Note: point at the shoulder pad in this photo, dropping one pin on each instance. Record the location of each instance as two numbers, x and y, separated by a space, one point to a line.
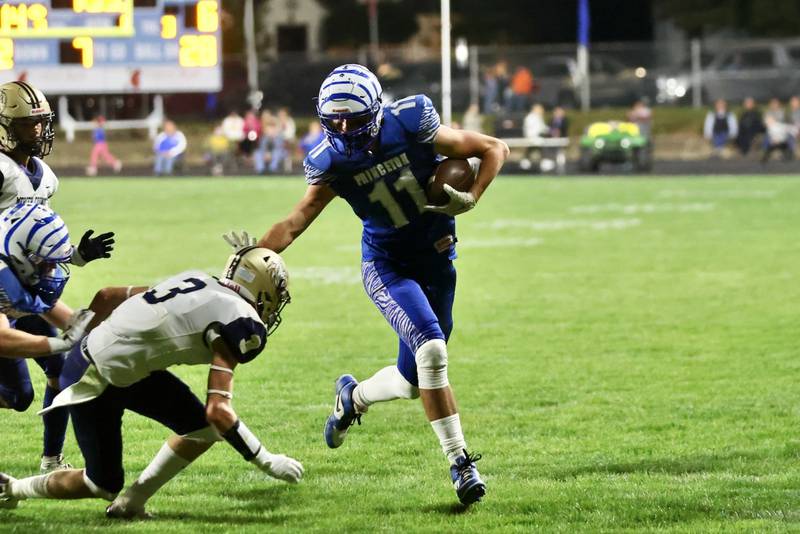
245 337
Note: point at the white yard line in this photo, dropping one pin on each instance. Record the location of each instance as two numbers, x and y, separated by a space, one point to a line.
649 207
721 193
565 224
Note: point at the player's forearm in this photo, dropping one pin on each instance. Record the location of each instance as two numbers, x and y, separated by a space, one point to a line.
59 315
18 344
492 161
279 237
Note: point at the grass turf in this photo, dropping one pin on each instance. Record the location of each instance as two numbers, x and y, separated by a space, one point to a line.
624 355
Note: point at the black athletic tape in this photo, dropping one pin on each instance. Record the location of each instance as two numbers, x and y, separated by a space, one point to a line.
233 437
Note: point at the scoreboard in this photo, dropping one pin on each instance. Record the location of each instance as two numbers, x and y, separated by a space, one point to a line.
112 46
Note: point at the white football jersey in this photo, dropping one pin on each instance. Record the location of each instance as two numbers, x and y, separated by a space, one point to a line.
17 186
168 325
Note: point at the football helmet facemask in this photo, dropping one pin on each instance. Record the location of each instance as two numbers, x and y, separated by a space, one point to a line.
22 108
35 245
260 277
349 108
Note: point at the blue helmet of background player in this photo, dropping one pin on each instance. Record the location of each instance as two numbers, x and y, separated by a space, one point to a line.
349 108
22 107
35 245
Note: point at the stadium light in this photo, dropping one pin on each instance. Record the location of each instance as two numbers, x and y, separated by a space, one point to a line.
462 53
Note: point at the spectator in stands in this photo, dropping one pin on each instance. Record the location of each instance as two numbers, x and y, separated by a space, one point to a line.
720 127
750 125
100 149
794 115
491 91
775 110
780 137
503 87
559 124
272 148
534 125
641 115
472 119
794 111
233 128
251 133
312 138
217 151
521 88
169 147
288 131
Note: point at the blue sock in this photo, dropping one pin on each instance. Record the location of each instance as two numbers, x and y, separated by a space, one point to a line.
55 424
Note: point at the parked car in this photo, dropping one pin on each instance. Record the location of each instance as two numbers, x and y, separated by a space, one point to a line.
762 71
611 83
615 142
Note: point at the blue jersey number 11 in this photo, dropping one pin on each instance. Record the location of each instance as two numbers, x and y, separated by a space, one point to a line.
384 196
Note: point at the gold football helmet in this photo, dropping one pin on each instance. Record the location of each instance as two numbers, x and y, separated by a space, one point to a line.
21 103
260 276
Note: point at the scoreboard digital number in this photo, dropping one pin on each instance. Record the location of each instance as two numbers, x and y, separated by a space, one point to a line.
112 46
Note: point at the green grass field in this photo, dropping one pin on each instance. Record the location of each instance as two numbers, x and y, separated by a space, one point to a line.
625 356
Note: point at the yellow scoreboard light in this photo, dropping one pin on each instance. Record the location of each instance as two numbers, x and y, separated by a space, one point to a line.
66 18
175 46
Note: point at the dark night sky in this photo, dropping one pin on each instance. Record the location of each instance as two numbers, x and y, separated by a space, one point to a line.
552 21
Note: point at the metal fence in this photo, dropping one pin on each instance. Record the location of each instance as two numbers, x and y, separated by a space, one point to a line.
510 79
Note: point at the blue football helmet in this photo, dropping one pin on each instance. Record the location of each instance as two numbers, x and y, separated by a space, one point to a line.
35 244
349 108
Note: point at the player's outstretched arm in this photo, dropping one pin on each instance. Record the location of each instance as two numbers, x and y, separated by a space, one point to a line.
281 234
220 414
466 144
18 344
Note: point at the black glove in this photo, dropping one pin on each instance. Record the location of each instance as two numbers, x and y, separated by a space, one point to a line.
94 248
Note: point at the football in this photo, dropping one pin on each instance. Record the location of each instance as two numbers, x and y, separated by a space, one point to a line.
457 173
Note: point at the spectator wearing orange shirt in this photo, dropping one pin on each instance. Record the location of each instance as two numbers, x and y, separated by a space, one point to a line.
522 86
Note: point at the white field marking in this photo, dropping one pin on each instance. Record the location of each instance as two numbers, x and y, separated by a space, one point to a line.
649 207
513 242
721 193
565 224
327 275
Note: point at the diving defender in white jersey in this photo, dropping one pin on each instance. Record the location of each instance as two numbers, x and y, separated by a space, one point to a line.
191 319
379 159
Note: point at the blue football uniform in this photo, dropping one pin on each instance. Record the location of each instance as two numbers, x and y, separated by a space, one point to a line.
22 307
407 252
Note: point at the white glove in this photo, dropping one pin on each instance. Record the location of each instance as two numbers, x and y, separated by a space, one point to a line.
279 466
239 241
459 203
76 328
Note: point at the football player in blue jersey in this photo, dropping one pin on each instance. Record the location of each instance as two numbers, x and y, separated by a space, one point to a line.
26 138
379 159
34 247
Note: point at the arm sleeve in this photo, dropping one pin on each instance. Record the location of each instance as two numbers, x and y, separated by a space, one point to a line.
17 297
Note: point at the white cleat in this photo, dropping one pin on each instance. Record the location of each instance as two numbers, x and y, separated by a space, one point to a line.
53 463
7 501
